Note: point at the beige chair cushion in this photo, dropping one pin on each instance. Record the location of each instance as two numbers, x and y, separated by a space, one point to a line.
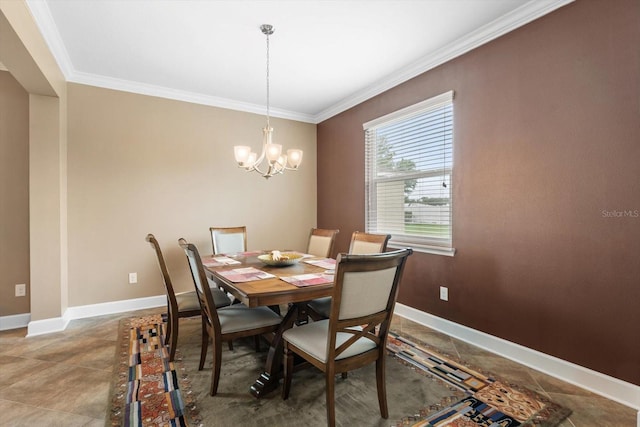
319 246
312 338
361 247
376 285
229 243
239 317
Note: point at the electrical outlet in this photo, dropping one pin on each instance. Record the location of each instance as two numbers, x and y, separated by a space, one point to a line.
133 277
444 293
21 290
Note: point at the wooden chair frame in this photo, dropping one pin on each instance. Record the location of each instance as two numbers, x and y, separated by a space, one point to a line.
211 327
173 313
374 327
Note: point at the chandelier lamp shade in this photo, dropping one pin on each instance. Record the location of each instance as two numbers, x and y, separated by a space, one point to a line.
271 160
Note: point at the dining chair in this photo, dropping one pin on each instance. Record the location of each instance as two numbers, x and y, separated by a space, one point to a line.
355 334
361 243
321 242
226 323
228 240
179 305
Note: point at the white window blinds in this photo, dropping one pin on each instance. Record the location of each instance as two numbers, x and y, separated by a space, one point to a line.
408 167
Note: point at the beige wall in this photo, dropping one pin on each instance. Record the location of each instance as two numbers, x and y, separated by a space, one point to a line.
139 164
14 194
25 54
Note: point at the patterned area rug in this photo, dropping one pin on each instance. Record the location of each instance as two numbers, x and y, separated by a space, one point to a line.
148 390
486 401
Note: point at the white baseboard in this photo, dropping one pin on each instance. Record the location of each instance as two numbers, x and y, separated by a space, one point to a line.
113 307
14 321
46 326
609 387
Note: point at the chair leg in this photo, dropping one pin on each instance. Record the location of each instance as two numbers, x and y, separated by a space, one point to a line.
174 337
230 345
168 334
288 372
256 340
204 344
382 386
330 379
217 361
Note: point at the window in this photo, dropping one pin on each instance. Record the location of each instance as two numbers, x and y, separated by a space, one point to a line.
408 166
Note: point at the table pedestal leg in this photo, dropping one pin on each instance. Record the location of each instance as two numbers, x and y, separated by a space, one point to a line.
269 379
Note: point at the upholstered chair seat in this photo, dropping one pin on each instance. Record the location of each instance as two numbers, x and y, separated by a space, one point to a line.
313 338
239 317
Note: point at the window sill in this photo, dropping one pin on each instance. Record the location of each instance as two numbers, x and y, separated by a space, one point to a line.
433 250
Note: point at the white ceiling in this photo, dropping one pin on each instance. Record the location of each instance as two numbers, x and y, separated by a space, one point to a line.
326 56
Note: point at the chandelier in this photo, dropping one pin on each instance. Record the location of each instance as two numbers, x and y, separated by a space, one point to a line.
271 160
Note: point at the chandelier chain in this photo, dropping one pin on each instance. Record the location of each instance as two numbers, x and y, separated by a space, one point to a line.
268 81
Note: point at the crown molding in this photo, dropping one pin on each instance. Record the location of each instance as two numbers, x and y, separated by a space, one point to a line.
181 95
2 67
44 20
42 15
531 11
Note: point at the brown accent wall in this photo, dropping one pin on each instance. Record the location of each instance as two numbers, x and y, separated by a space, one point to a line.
14 194
546 186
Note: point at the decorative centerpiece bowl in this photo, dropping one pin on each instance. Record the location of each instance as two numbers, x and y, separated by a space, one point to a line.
280 259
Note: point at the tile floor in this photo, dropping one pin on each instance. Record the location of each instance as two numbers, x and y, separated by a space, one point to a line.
63 379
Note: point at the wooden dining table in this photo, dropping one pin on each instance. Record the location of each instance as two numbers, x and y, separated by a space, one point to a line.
272 292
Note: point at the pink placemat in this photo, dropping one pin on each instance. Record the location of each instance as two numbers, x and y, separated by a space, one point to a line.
246 274
303 280
218 261
327 263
